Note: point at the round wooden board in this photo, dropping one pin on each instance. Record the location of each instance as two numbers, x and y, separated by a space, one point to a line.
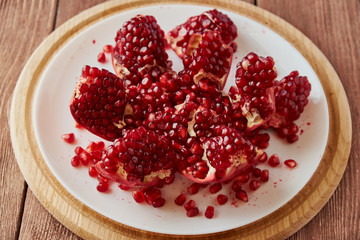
89 224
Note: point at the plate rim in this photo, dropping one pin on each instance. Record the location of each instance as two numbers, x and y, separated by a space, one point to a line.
82 220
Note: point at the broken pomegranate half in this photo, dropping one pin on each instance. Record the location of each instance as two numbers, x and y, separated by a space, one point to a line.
98 102
140 50
139 158
184 38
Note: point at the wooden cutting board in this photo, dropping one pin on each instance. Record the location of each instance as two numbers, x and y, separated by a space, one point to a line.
89 224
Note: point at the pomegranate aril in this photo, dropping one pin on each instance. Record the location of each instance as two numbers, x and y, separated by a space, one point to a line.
101 57
242 195
181 199
216 187
152 195
192 212
222 199
138 196
243 178
123 187
254 184
92 171
209 212
274 160
256 172
75 162
159 202
190 205
236 185
102 187
290 163
107 48
193 188
264 177
69 137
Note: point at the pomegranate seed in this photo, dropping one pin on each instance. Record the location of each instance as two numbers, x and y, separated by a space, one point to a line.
290 163
102 187
69 137
243 178
242 196
193 188
192 212
123 187
159 202
216 187
209 212
75 161
107 48
256 172
222 199
180 200
92 171
236 186
102 179
274 161
152 195
101 57
138 196
254 185
190 205
170 179
264 177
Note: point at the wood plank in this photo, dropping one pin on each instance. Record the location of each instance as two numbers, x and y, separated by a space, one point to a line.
334 26
23 25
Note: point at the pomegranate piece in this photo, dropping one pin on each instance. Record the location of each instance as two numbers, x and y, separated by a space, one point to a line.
242 195
254 89
264 177
184 37
98 102
190 205
69 137
159 202
140 51
219 158
210 62
192 212
236 185
254 185
102 187
291 97
138 196
139 158
193 188
209 212
101 57
291 163
75 161
216 187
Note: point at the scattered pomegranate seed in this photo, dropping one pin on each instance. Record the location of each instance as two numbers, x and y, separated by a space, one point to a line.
264 177
159 202
244 178
101 57
75 161
152 195
107 48
180 200
138 196
254 185
290 163
190 205
193 188
123 187
216 187
242 195
209 212
222 199
92 171
274 161
69 137
256 172
102 187
192 212
236 185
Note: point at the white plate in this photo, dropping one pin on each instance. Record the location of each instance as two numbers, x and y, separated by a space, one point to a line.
52 118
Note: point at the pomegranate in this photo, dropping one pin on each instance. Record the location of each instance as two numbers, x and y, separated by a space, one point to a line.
185 37
254 90
139 158
140 51
98 102
209 62
291 96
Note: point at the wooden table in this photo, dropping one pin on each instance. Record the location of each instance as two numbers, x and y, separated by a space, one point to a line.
334 26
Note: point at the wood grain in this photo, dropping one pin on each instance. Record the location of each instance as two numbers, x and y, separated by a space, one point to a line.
23 25
334 26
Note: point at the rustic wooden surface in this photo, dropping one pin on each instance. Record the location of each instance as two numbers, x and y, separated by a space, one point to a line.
334 26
